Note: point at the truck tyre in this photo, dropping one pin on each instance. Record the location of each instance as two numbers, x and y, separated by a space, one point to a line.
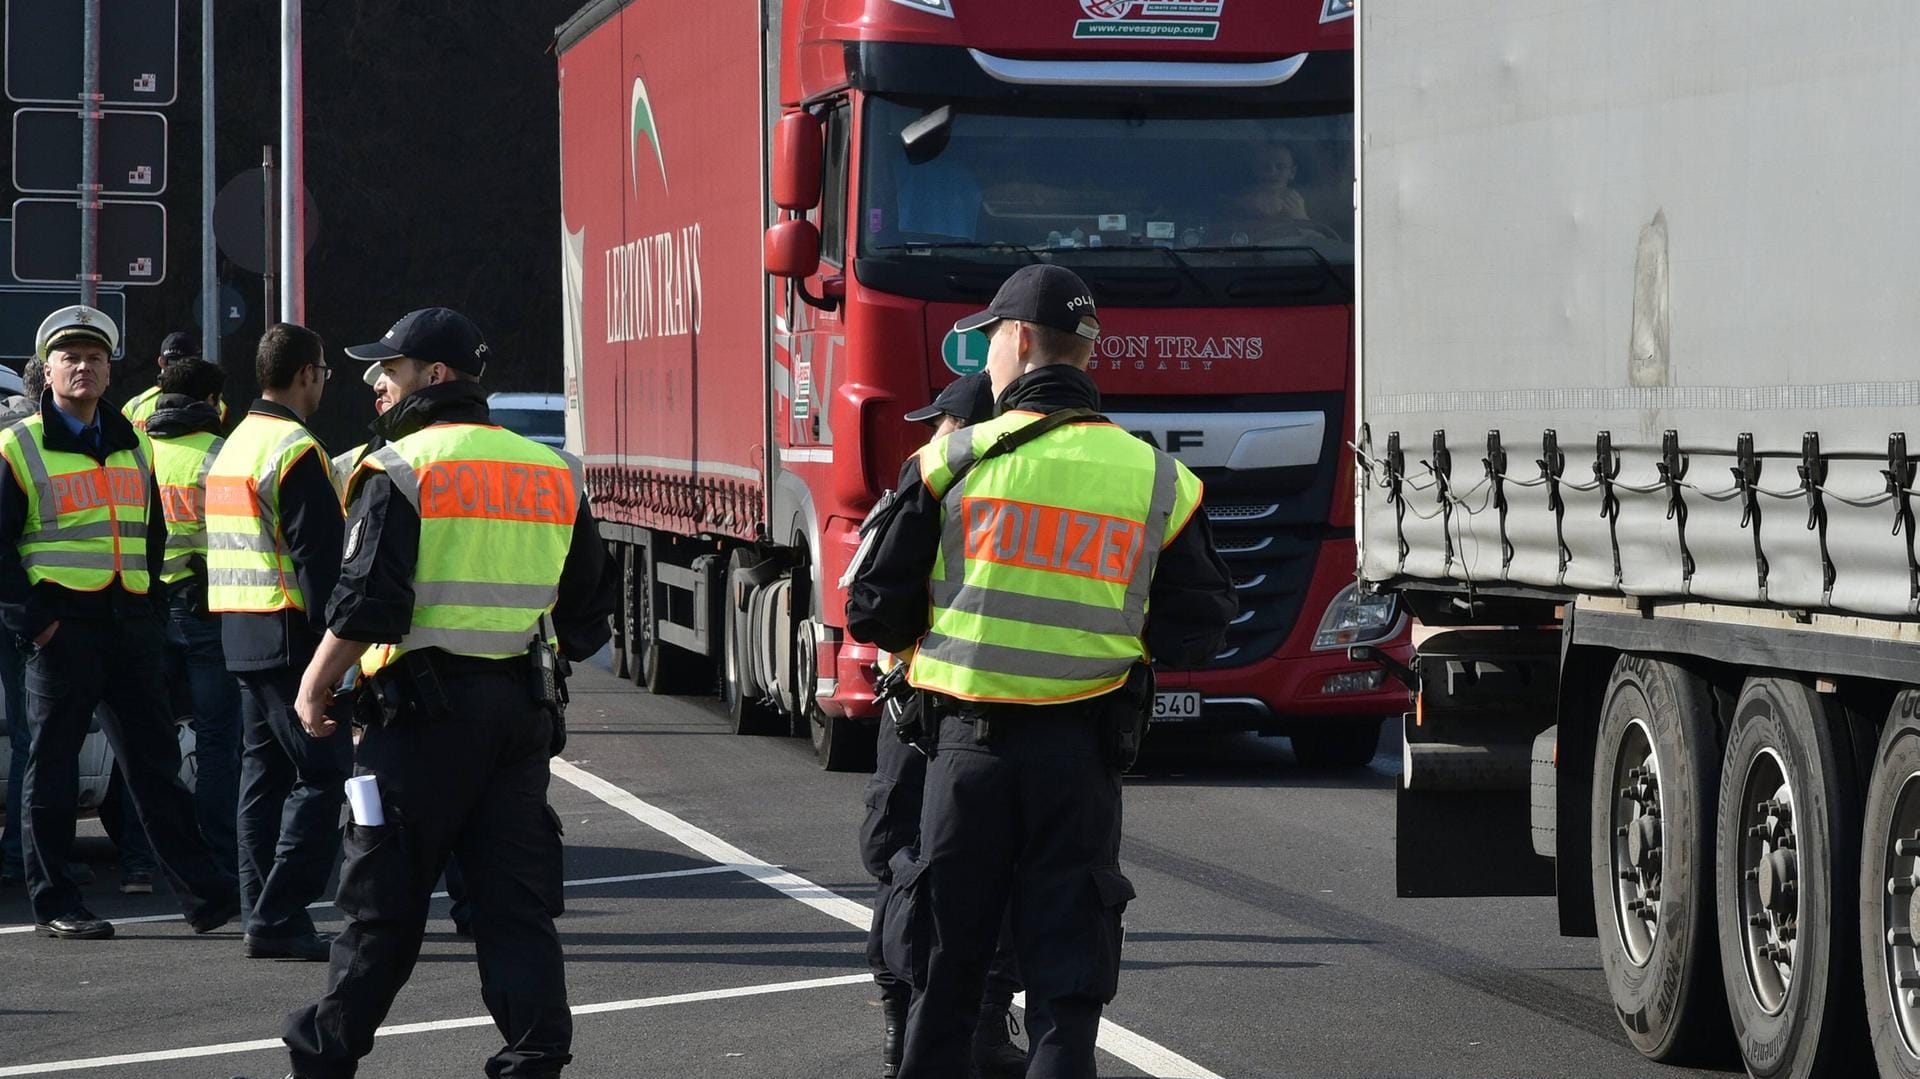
621 668
751 712
1656 776
1889 898
1788 880
841 743
1348 745
661 669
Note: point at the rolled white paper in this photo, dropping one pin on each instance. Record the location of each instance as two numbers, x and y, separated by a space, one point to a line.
363 799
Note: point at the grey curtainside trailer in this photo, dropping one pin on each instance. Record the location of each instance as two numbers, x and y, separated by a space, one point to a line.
1638 426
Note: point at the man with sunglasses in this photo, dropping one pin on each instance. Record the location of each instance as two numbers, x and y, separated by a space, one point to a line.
274 531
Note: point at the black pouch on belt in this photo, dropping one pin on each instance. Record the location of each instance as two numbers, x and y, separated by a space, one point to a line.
1129 708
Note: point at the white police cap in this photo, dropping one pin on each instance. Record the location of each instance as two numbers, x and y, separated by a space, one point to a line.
77 321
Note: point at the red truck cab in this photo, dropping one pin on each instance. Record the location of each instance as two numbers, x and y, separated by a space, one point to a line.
1191 159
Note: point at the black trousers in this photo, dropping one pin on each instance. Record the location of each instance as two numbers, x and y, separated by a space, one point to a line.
118 660
473 783
891 825
1031 816
291 788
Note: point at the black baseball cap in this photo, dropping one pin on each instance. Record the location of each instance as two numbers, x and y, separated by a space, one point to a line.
1043 294
969 400
179 345
431 335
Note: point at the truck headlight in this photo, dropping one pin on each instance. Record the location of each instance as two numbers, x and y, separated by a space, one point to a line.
1355 617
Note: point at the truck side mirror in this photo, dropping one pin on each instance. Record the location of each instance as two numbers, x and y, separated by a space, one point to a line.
797 156
792 248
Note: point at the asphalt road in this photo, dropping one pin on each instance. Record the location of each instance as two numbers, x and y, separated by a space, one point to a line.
1266 940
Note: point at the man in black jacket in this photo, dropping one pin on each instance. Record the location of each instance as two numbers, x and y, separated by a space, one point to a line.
85 641
1023 793
459 751
273 515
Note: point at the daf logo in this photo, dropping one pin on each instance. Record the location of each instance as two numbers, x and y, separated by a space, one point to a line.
1173 441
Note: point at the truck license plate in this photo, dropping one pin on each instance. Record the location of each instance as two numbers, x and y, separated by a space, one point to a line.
1174 707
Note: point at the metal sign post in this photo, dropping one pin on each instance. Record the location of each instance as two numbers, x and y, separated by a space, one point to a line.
210 319
89 187
293 211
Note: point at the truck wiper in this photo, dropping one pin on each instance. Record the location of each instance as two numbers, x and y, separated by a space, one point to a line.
1180 263
1320 261
961 245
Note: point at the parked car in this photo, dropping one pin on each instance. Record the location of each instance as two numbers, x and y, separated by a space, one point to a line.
96 763
539 416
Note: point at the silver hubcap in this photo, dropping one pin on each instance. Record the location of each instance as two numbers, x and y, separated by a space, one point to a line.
1899 913
1637 837
1769 880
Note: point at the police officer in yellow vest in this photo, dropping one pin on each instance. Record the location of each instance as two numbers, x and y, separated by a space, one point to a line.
274 531
82 537
1028 583
185 428
178 345
470 553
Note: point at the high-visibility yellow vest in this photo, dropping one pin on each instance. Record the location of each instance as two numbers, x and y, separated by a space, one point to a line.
181 465
143 405
86 521
248 565
496 520
1039 591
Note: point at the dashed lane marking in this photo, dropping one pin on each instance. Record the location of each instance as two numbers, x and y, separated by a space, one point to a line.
398 1029
1141 1052
583 883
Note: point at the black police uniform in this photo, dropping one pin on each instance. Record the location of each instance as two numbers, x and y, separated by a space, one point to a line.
891 830
108 648
463 770
1031 810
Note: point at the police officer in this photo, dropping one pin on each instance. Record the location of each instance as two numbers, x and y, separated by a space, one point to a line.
82 538
891 829
185 428
1024 588
470 553
274 531
178 345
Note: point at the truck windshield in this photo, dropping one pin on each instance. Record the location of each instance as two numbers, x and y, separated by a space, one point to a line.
1091 185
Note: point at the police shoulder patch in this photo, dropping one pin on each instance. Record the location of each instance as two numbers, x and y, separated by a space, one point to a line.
353 540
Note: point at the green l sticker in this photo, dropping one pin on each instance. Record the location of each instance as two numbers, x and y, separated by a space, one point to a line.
965 353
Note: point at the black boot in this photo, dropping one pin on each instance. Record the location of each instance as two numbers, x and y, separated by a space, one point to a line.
994 1053
894 1011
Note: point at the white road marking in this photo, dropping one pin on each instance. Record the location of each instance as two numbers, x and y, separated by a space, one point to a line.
263 1044
583 883
1143 1053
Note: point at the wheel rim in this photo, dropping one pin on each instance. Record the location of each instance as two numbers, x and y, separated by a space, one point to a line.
1638 832
805 673
1769 884
1899 914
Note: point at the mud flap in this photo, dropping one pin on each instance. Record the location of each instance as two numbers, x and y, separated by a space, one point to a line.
1464 820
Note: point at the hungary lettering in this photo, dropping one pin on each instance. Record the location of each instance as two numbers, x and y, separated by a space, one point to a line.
1073 542
497 489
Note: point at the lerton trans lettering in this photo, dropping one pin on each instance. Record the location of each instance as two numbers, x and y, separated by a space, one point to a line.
653 286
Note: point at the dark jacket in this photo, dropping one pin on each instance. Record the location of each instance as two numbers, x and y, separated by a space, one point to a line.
26 609
1189 605
310 524
374 599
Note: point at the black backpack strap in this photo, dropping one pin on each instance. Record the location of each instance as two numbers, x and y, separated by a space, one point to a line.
1020 436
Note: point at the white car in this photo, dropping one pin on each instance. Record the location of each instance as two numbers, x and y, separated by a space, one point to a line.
539 416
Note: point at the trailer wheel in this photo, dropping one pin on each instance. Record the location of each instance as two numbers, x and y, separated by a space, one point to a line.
1656 776
1788 874
1890 893
1347 745
750 711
